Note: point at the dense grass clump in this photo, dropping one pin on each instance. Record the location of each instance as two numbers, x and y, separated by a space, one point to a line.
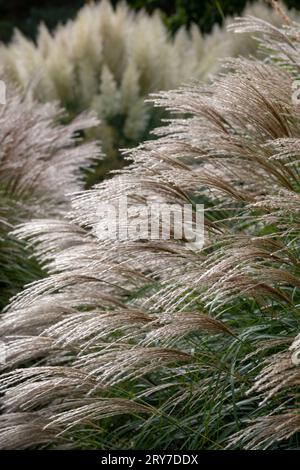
157 343
40 163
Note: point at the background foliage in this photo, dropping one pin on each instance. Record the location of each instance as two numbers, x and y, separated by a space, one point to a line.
26 15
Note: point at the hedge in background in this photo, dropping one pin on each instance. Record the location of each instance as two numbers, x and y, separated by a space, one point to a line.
26 15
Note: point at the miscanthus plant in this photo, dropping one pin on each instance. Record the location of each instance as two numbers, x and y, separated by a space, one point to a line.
40 163
152 344
109 60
